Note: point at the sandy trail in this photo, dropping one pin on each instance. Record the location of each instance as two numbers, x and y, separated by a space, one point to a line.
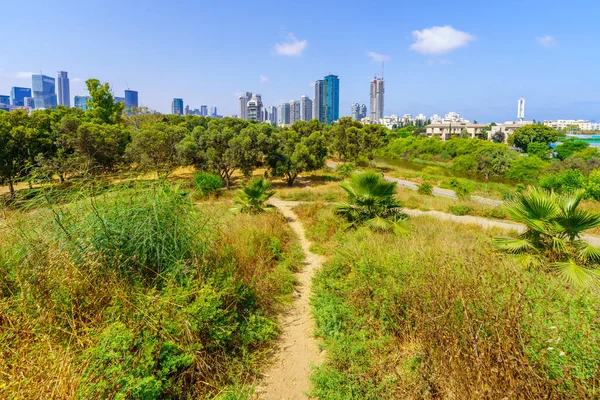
288 377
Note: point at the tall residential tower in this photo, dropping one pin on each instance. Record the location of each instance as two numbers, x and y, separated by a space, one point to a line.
64 90
327 99
377 91
177 106
306 106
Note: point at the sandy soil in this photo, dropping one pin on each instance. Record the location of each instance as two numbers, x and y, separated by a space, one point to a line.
297 351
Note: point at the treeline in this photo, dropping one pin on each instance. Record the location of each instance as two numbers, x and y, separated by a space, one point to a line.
573 166
69 142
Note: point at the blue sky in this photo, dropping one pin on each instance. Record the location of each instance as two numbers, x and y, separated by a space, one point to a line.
473 57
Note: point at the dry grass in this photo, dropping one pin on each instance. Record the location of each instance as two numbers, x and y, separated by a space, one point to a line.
438 314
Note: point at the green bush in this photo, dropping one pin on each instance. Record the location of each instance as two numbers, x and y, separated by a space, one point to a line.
461 210
592 185
207 183
563 182
525 168
462 191
344 170
425 188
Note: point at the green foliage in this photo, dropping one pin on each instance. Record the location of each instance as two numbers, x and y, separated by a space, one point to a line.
570 146
252 196
154 147
461 209
526 168
592 185
101 105
538 149
498 137
371 202
350 140
563 182
425 188
297 152
523 136
207 183
461 190
553 235
344 170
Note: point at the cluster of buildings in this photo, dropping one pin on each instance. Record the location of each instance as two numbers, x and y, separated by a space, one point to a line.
325 107
178 108
48 92
573 124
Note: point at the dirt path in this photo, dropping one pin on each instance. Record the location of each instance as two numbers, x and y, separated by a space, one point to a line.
288 377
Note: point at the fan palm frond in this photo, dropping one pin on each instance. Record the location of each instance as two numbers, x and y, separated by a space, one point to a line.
513 245
574 273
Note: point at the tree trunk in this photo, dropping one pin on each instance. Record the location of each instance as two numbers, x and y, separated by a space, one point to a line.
11 188
291 179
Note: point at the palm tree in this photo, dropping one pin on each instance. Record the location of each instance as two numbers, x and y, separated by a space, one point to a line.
251 197
553 236
371 201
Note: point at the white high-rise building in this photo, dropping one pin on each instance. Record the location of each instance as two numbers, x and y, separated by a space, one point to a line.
295 114
521 109
355 111
64 91
420 120
377 92
306 106
243 105
254 109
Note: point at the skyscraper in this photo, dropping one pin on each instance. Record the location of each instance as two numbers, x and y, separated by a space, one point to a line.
64 91
295 111
306 106
81 102
18 94
177 106
331 99
214 113
5 99
319 101
521 109
243 105
355 111
204 111
284 114
377 91
254 108
131 99
273 115
186 110
363 111
44 93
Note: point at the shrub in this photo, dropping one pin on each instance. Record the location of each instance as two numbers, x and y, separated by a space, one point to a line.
461 210
525 168
425 188
462 191
344 170
563 182
207 183
592 185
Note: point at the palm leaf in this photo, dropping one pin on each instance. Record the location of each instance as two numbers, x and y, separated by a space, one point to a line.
587 252
513 245
574 273
530 260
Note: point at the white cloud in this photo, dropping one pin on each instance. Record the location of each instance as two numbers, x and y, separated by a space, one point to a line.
378 57
293 47
16 75
76 80
238 93
264 80
547 41
439 40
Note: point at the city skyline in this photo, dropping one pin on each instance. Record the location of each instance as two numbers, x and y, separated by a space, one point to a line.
478 69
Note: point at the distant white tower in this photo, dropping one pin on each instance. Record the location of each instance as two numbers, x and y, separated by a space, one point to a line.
521 109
